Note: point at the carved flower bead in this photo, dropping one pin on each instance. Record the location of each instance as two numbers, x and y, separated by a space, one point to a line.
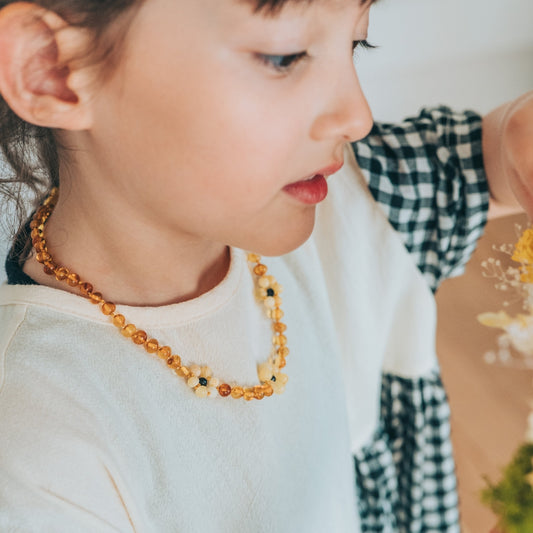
202 382
268 291
269 375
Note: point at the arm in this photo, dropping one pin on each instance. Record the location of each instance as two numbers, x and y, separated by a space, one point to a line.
508 155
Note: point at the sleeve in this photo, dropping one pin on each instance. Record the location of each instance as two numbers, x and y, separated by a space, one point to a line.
427 174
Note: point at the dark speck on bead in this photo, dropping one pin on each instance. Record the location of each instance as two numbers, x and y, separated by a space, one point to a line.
203 382
270 292
273 378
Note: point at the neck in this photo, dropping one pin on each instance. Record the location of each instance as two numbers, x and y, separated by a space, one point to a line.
137 263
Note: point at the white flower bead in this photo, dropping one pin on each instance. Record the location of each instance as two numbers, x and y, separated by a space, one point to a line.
201 392
270 302
263 282
195 370
214 382
193 381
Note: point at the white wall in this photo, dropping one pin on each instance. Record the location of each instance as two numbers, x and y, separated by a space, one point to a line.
465 53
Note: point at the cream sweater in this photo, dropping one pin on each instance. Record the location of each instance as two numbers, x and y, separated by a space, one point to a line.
98 436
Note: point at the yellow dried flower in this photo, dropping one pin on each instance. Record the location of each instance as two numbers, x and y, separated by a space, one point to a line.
523 253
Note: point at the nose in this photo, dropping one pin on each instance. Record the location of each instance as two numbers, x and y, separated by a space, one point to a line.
346 115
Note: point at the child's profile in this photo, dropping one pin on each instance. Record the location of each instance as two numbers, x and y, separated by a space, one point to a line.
219 310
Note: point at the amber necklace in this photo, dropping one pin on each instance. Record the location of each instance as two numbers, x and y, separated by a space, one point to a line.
198 378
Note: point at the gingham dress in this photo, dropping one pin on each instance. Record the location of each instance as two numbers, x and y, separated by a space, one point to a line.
427 174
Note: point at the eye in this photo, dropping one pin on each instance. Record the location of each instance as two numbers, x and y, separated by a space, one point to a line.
281 63
365 45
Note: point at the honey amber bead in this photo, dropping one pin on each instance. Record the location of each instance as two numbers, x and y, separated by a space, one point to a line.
254 258
278 301
73 279
237 392
33 224
164 352
108 308
95 298
62 274
174 361
277 314
280 340
39 247
224 390
249 394
183 372
268 390
279 327
280 362
151 346
260 270
86 289
119 321
283 351
49 269
43 257
128 330
139 337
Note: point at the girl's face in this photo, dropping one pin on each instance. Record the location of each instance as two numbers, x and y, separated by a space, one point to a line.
213 110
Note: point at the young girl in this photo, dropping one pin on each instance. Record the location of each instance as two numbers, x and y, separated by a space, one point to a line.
154 377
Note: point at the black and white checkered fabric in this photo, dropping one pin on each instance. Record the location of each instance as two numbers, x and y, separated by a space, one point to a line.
427 174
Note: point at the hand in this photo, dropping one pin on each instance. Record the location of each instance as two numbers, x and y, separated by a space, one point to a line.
508 153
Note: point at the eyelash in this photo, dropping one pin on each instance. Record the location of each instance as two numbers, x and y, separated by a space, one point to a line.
283 63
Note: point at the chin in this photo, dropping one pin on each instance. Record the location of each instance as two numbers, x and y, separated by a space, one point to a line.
286 243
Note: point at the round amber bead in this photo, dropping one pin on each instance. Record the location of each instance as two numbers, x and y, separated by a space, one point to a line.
260 270
95 298
174 361
237 392
280 362
183 372
108 308
277 314
164 352
139 337
49 269
224 390
268 390
43 257
249 394
128 330
283 351
119 321
86 289
151 346
62 273
73 279
279 327
280 340
254 258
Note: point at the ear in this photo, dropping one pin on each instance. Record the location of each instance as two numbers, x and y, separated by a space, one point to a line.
42 76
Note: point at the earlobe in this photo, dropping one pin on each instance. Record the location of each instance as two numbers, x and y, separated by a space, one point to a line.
41 77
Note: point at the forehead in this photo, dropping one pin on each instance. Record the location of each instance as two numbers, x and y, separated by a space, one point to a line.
273 7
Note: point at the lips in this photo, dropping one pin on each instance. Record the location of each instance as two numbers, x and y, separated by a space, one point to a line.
313 189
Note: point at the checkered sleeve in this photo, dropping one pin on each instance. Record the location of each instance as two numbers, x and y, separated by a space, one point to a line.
427 174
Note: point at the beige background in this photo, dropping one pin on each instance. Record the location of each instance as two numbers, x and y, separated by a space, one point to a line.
489 403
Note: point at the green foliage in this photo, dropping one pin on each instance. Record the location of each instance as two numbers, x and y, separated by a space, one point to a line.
512 498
